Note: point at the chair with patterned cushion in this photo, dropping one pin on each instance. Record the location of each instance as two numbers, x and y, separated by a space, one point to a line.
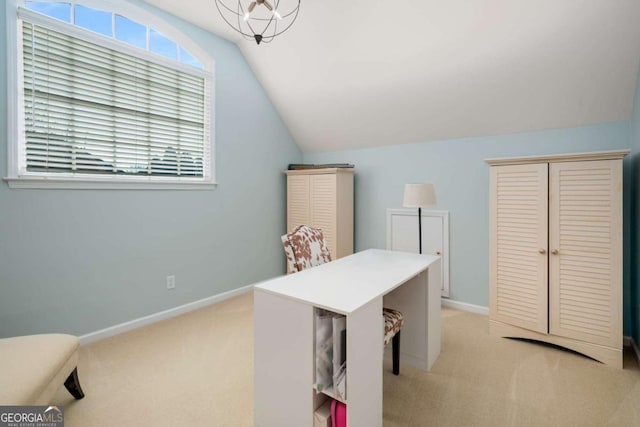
306 247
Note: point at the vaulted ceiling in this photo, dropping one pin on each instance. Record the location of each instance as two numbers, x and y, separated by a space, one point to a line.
365 73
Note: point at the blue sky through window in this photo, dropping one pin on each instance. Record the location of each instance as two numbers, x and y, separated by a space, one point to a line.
131 32
61 11
94 20
126 30
186 58
163 46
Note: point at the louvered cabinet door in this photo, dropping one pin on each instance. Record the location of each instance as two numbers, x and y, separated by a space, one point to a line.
297 201
518 266
585 262
323 208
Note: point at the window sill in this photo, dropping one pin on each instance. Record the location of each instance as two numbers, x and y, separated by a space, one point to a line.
105 184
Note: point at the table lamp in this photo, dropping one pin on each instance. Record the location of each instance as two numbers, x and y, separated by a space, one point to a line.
416 196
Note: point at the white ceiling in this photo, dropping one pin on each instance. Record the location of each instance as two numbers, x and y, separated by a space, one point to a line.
364 73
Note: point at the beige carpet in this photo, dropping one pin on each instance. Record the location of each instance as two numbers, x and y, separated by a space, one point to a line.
196 370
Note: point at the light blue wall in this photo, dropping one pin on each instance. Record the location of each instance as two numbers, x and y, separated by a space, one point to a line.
77 261
635 214
461 178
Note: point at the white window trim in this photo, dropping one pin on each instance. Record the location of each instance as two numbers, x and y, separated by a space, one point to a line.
15 111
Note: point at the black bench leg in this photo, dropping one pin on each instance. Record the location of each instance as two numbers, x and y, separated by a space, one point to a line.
395 344
72 383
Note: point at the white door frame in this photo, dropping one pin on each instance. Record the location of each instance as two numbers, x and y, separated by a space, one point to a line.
444 215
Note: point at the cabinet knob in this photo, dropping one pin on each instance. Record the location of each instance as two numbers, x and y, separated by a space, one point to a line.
554 251
437 252
542 251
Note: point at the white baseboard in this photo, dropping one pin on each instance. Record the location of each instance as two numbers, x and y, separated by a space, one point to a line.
472 308
162 315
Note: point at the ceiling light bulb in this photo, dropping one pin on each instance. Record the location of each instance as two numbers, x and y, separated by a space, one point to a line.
276 14
246 16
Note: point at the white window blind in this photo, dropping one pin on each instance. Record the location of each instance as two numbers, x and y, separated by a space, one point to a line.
91 109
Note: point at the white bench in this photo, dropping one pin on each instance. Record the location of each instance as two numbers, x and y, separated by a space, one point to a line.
33 367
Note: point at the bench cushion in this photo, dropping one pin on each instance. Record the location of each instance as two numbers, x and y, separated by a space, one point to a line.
33 367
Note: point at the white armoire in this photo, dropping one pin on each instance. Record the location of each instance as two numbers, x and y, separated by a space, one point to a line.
556 251
323 198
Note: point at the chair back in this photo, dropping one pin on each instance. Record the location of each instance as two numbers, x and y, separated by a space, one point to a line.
305 247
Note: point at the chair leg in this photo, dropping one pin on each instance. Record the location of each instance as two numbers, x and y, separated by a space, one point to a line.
395 344
72 383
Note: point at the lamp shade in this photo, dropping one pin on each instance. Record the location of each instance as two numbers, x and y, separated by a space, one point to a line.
417 195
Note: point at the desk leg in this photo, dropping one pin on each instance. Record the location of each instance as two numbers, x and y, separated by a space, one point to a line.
419 301
283 362
365 336
434 314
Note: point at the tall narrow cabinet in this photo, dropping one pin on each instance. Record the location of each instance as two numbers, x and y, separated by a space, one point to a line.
556 251
323 198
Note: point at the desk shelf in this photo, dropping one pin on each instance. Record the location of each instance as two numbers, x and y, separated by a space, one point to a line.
329 392
330 351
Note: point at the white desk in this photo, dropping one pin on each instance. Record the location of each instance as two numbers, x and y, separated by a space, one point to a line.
356 287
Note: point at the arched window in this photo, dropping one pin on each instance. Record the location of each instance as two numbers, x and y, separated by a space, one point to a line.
109 98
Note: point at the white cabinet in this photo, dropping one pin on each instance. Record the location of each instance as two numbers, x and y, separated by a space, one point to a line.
585 265
556 251
519 229
323 198
402 235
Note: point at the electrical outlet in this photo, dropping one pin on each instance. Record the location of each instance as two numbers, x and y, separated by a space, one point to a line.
171 282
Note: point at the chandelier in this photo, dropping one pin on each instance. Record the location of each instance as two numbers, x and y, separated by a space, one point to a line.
259 20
